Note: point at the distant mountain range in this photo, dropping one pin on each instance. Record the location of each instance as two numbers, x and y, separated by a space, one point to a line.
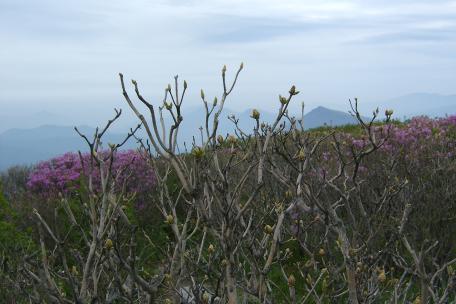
17 120
429 104
407 105
28 146
38 140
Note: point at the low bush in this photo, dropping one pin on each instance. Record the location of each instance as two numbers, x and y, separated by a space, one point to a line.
358 214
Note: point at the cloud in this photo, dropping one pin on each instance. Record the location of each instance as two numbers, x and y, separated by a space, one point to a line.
416 36
66 54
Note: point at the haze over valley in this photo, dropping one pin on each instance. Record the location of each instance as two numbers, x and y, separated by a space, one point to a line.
25 140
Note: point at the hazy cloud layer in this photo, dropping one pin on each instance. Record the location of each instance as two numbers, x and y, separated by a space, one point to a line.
64 56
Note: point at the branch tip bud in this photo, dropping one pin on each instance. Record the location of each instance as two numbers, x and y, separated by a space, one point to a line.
255 114
169 219
283 100
211 249
109 244
220 139
268 229
293 91
291 280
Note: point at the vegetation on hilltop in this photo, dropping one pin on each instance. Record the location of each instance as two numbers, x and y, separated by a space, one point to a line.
358 214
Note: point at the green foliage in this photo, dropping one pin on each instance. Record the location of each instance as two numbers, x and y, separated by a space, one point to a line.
352 129
14 244
11 237
428 189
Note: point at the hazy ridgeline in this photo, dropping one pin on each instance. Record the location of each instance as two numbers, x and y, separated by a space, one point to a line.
52 140
278 214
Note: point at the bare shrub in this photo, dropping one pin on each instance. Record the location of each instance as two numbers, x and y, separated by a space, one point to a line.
279 214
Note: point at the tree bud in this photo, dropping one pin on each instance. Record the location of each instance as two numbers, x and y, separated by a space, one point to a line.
283 100
255 114
205 298
268 229
293 91
382 276
288 194
291 280
324 285
74 270
301 155
109 244
168 105
220 139
168 277
321 252
198 152
232 139
169 219
202 94
309 279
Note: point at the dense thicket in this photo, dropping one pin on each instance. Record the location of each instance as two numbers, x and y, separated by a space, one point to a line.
359 214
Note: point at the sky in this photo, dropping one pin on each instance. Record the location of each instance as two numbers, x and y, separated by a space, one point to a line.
62 58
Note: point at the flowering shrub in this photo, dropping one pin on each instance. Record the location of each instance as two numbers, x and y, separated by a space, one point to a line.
61 174
353 215
416 142
417 136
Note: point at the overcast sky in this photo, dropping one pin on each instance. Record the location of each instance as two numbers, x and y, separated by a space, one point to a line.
64 56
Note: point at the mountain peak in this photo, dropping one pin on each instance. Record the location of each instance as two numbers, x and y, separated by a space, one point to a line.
321 108
323 116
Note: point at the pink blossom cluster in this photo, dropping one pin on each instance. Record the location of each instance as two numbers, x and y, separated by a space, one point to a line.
62 174
417 145
419 135
417 141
